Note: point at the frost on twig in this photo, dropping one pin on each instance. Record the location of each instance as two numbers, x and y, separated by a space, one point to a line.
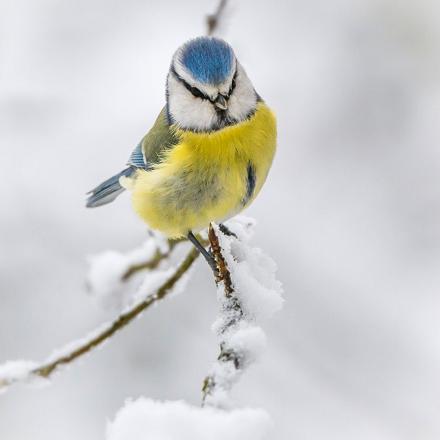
113 277
155 286
247 291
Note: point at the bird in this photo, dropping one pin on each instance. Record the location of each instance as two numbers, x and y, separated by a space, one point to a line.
209 152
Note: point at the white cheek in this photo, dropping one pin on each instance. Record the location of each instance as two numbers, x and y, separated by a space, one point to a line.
188 111
194 113
244 99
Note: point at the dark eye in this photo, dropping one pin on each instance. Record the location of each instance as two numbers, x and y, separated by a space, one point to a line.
231 89
197 93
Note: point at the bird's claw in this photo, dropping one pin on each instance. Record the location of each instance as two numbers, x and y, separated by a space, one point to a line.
225 230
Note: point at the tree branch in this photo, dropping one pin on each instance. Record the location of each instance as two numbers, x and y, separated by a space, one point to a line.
46 369
213 20
154 262
229 360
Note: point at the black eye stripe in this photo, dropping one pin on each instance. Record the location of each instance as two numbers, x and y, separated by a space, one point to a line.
233 84
198 93
194 90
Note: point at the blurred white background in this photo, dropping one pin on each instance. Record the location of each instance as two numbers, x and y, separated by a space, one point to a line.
350 212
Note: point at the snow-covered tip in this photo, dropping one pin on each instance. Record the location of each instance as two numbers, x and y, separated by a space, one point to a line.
247 292
253 278
247 340
153 420
19 371
243 227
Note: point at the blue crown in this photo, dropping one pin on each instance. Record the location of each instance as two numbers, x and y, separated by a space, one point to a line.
209 60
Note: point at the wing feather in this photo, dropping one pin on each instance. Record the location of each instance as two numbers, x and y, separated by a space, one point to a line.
150 150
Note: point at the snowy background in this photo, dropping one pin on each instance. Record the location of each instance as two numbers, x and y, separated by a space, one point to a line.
350 212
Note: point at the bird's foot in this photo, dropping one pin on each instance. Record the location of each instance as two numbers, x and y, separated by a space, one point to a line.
206 254
223 228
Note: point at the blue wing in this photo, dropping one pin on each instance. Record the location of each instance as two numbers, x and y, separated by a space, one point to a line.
146 154
108 190
137 158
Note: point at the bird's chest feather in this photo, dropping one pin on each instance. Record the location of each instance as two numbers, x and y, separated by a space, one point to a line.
194 179
233 160
209 176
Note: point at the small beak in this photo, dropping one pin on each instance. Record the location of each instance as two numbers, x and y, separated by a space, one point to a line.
221 102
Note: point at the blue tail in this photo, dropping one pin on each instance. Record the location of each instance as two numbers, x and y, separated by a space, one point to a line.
108 190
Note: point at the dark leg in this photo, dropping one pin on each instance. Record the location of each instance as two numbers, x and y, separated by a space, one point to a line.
208 257
226 230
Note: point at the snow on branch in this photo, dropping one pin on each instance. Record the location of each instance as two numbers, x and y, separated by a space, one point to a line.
156 286
113 276
247 291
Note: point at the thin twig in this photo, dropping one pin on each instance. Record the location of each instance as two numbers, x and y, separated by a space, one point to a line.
223 274
125 318
154 262
213 20
231 309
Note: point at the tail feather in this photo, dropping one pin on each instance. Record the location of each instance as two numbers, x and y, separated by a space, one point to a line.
108 190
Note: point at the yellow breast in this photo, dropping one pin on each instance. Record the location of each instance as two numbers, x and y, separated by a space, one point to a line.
206 176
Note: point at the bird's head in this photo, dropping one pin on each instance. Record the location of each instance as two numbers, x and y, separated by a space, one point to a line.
207 88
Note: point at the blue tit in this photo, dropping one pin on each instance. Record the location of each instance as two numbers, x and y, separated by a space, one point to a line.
207 155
